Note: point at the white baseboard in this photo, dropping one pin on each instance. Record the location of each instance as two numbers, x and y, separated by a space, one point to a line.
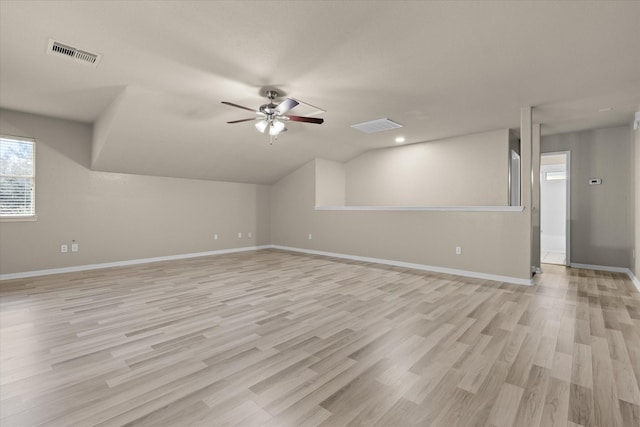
424 267
634 279
464 273
125 263
599 267
625 270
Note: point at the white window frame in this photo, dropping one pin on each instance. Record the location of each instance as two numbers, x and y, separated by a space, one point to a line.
555 175
31 216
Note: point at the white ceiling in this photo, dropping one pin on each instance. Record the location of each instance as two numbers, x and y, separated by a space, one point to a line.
439 68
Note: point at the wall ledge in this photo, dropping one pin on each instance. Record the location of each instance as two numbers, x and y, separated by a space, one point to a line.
424 267
424 208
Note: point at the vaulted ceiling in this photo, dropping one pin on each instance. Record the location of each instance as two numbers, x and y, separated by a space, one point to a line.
438 68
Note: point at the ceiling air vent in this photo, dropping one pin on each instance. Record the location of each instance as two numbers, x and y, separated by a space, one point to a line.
82 56
376 126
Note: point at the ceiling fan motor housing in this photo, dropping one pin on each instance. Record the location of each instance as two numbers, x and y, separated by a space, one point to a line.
268 109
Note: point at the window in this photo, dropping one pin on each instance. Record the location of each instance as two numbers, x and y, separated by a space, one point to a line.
17 177
555 175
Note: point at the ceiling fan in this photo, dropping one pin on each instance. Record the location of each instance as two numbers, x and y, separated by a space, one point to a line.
272 116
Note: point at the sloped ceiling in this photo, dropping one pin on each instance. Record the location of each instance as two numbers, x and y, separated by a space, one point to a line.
439 68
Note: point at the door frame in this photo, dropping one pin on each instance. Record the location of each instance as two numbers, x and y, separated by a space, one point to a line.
567 226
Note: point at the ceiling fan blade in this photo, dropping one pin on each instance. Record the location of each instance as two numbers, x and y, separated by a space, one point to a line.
286 105
305 119
244 120
239 106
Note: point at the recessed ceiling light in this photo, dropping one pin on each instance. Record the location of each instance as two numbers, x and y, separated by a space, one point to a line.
604 110
400 140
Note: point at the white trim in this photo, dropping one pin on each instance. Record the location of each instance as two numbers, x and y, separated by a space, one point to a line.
599 267
424 267
126 263
465 273
625 270
34 216
424 208
567 229
634 279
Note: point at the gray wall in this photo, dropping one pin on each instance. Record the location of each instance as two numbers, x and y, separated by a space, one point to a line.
601 221
118 217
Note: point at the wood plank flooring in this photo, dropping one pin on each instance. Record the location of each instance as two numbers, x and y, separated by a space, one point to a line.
274 339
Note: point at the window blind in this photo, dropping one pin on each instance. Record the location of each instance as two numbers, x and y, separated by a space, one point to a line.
17 177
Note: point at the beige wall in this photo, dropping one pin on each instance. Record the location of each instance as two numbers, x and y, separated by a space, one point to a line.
601 223
492 242
330 183
117 217
470 170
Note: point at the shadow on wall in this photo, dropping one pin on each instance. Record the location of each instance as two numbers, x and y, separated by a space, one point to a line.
595 253
56 134
600 214
263 215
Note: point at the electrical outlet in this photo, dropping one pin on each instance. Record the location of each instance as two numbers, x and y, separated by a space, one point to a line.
239 235
64 248
458 250
215 236
249 234
310 236
74 247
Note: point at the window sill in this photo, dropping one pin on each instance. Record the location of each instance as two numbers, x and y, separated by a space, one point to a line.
26 218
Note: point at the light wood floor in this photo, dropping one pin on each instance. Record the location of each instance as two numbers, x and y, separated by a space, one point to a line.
280 339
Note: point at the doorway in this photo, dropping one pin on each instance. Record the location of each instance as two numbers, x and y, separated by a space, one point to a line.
555 208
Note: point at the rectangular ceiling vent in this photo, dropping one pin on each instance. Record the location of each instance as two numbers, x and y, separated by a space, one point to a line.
305 109
82 56
376 126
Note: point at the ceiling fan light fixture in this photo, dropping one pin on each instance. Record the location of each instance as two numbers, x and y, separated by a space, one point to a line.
276 127
261 126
